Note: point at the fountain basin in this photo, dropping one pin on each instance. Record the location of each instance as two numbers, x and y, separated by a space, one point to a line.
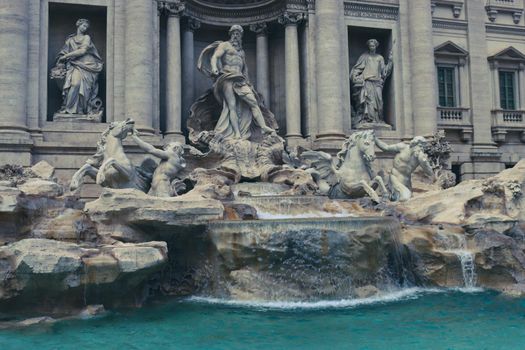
301 259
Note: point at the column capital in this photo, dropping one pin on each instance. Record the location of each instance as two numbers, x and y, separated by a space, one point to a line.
171 8
192 24
259 28
291 18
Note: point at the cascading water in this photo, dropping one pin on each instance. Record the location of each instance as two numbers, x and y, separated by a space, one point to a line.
457 244
468 267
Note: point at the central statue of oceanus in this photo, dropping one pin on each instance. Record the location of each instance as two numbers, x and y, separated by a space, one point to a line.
233 108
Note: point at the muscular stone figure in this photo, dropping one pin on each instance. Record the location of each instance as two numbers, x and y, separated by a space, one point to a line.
409 157
170 165
225 62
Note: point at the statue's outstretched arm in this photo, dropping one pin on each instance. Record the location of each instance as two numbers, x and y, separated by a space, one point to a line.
388 148
146 147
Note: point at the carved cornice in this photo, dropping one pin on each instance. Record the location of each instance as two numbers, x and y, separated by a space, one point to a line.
450 24
505 29
291 18
259 28
369 10
225 12
171 8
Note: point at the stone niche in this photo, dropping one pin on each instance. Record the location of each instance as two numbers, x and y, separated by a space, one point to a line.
62 23
357 38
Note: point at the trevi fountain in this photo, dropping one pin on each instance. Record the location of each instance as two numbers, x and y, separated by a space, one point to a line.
240 239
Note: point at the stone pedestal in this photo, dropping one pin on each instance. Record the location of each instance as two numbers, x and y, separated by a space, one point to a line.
373 126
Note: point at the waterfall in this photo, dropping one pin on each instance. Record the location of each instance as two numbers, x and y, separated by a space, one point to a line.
468 267
457 244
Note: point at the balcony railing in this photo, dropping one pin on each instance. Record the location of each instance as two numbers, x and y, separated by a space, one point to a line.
515 7
453 116
513 4
508 118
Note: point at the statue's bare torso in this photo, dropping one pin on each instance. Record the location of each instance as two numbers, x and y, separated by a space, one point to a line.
232 59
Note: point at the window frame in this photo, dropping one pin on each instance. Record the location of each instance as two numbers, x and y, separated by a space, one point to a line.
455 85
515 89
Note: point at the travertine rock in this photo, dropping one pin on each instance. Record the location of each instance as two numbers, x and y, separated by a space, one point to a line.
41 188
41 268
129 206
44 170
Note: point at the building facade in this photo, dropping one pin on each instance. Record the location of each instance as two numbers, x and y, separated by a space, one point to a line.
457 65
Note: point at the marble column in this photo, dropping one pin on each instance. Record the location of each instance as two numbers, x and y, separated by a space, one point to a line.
463 83
173 72
292 75
329 22
262 60
422 67
521 90
14 43
139 87
188 67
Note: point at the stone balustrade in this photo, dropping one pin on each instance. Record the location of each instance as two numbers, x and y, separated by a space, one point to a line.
507 120
513 6
456 118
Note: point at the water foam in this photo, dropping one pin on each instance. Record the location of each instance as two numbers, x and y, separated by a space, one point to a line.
311 215
399 295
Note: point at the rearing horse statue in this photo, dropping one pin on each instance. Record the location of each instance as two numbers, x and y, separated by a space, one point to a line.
110 166
350 175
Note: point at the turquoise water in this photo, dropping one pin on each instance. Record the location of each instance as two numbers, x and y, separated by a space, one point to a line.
408 320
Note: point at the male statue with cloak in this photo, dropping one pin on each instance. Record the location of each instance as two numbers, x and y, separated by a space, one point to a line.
232 108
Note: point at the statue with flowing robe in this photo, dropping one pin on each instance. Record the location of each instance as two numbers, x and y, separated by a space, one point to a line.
242 113
368 77
78 66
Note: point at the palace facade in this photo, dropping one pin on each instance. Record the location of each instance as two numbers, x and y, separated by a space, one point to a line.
457 66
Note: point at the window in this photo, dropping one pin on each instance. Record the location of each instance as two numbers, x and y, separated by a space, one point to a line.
447 86
507 90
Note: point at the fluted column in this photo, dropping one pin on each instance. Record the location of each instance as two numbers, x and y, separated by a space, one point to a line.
262 60
174 72
139 63
188 67
422 67
292 76
14 67
329 55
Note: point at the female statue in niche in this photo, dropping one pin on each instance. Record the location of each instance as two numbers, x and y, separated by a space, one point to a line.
79 65
368 77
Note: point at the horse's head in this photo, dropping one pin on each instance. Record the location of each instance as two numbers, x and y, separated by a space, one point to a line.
121 129
365 142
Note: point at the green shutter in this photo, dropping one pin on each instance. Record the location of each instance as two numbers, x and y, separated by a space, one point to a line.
446 86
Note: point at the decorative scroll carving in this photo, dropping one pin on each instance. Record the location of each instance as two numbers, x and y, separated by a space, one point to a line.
171 8
259 28
358 9
291 18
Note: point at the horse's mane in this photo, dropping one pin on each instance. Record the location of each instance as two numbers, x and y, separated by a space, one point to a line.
97 159
349 143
